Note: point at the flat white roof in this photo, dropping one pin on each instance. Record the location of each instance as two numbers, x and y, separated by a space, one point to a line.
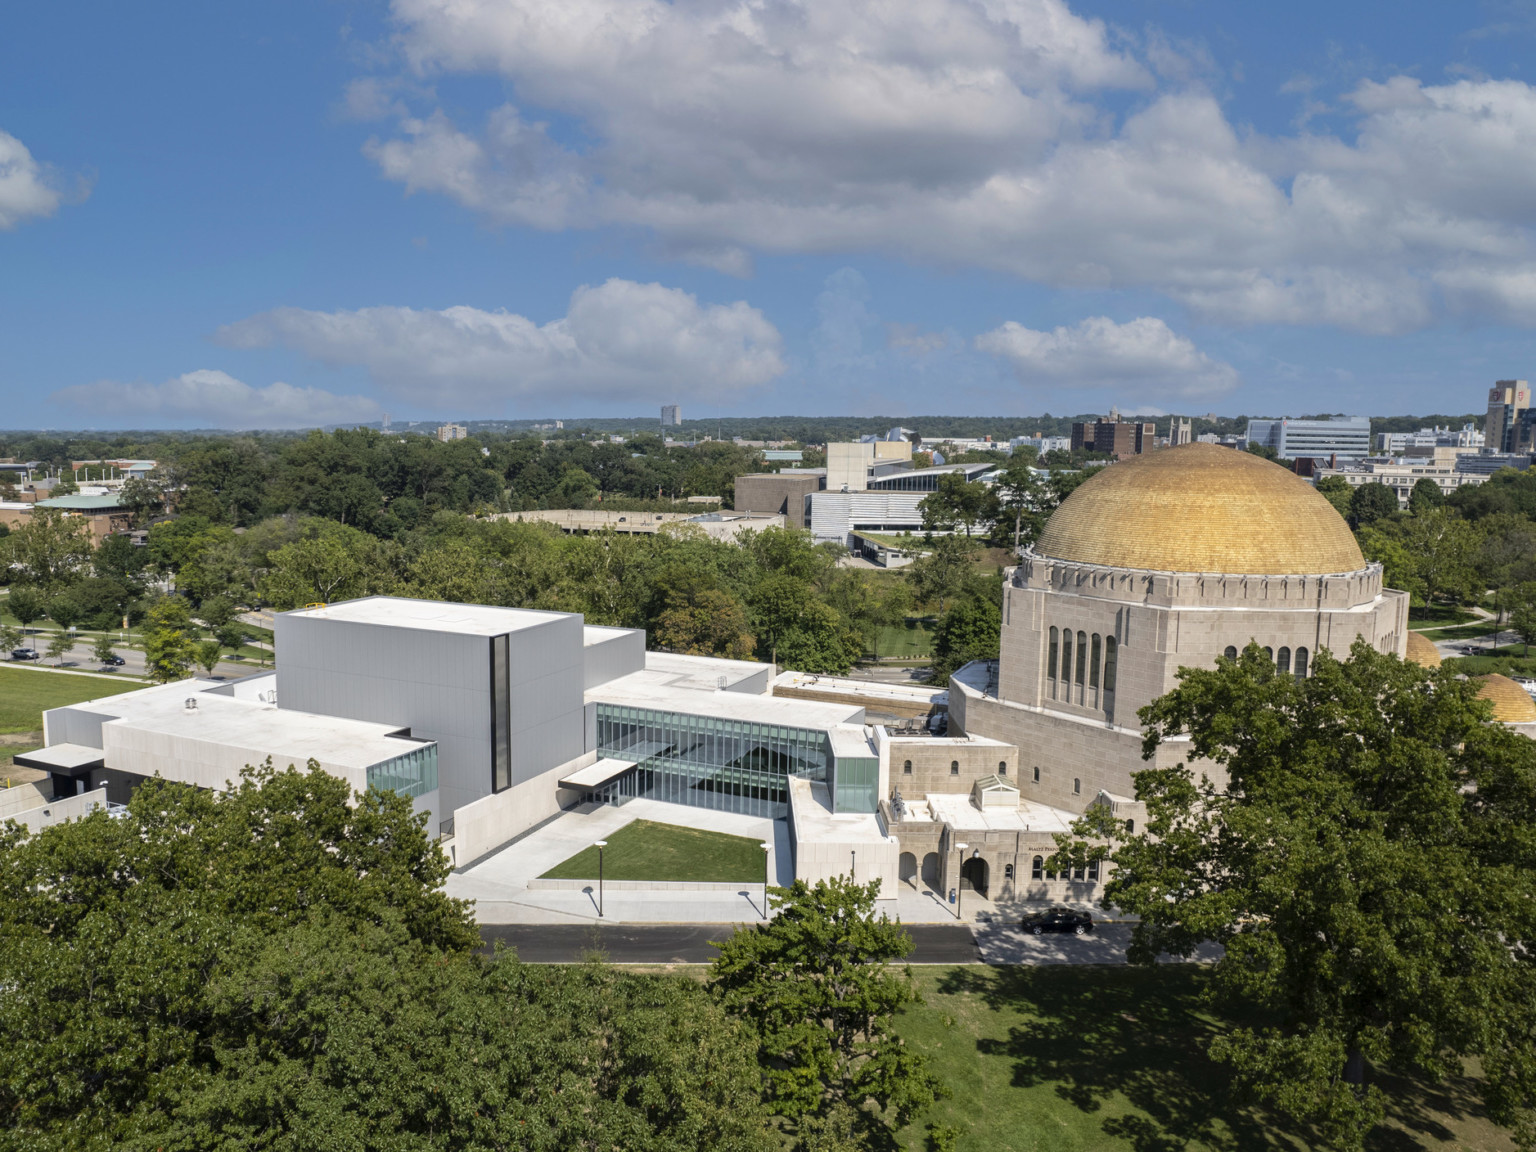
956 809
597 773
650 689
816 822
848 740
916 694
600 634
701 672
248 724
431 615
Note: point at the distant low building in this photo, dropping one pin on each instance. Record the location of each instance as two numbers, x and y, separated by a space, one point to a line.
1347 436
1119 438
447 432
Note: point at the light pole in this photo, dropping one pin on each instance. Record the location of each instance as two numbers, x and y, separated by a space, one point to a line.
601 844
766 847
960 882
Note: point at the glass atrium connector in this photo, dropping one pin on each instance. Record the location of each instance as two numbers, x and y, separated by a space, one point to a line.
413 774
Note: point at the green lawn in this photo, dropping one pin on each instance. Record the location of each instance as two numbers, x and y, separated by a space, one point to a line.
1508 661
908 640
1461 631
25 693
1437 616
645 850
1041 1059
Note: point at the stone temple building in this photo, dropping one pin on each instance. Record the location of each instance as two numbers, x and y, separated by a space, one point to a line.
1157 563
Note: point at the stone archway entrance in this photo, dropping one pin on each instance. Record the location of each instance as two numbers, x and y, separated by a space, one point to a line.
907 865
931 870
973 875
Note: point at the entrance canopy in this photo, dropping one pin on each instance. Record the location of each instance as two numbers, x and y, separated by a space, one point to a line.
598 774
62 759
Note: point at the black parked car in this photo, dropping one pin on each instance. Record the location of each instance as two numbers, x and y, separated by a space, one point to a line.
114 660
1058 920
24 654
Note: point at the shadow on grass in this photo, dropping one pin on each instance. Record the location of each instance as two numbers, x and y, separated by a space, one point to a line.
1131 1043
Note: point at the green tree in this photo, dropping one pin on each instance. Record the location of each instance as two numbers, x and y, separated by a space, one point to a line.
957 502
102 648
60 643
142 499
1426 496
709 622
206 654
816 984
26 604
970 630
232 636
796 630
50 550
10 639
1263 450
170 647
1372 502
941 572
338 564
1022 495
276 965
1431 555
1337 491
1368 868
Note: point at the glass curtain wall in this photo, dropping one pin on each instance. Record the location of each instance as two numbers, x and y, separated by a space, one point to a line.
731 765
412 774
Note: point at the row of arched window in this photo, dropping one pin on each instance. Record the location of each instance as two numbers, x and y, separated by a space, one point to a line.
1091 872
1089 660
954 768
1284 660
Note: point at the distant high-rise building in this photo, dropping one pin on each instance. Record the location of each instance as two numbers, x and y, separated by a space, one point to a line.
1117 437
384 424
1180 431
447 432
1348 437
671 415
1507 399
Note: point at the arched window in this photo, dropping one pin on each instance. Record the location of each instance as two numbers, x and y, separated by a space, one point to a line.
1082 656
1230 653
1007 871
1050 875
1066 655
1050 660
1283 661
1037 869
1093 663
1093 871
1002 767
1130 827
1269 653
906 767
1301 663
1077 786
1037 773
954 767
1111 658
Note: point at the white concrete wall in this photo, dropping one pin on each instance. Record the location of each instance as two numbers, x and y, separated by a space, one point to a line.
206 763
827 845
60 811
486 824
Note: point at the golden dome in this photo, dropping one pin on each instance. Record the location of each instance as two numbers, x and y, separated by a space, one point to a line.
1422 651
1201 508
1511 703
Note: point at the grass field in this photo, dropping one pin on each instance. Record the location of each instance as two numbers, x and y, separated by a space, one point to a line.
1052 1059
645 850
905 641
1437 616
25 693
1460 631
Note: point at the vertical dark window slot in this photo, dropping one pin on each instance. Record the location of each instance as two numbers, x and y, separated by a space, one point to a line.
1082 656
1050 660
1066 656
1111 659
501 717
1093 662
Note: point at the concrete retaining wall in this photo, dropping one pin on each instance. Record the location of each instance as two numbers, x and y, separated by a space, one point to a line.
647 885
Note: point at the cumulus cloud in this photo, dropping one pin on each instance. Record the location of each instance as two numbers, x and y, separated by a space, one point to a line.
969 134
617 341
212 399
25 187
1142 357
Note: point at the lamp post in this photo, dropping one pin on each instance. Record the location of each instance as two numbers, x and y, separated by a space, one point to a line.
960 882
766 847
601 844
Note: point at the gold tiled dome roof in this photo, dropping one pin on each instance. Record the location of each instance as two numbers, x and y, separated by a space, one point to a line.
1423 651
1511 703
1201 508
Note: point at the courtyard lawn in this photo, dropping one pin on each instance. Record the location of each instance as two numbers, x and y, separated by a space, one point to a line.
907 641
1438 616
25 693
1041 1059
645 850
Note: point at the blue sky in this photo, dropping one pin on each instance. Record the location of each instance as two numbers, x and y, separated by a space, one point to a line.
293 213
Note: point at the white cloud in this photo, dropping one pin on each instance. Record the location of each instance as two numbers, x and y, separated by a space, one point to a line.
25 187
212 399
1142 357
618 341
967 133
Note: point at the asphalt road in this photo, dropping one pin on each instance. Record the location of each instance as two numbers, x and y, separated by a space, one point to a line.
684 943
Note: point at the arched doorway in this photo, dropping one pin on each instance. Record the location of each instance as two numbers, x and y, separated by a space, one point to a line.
973 875
931 870
908 869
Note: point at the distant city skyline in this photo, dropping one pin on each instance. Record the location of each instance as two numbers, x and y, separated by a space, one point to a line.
298 215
